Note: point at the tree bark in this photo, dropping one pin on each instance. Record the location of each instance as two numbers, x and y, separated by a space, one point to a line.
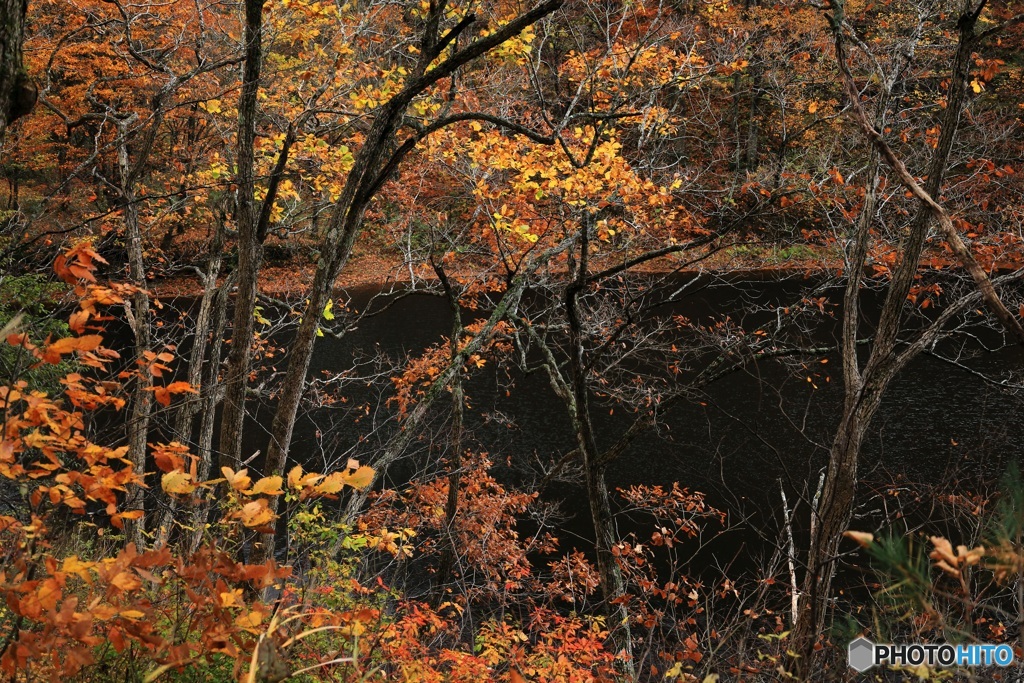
17 92
212 394
250 247
187 412
451 508
613 584
142 397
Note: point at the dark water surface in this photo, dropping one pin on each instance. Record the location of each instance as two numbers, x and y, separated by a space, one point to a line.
752 429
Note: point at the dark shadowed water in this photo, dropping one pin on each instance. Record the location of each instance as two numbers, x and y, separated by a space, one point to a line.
750 431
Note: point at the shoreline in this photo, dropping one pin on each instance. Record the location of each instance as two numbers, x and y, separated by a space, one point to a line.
375 271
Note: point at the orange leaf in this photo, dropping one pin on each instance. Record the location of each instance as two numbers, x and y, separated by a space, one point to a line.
170 457
62 347
77 321
862 538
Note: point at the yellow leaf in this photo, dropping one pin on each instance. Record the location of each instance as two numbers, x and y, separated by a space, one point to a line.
361 478
232 599
295 477
297 480
102 612
329 310
331 484
267 486
812 107
249 620
239 481
72 565
256 513
177 483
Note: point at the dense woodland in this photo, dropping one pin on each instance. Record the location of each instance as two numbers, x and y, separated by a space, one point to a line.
197 197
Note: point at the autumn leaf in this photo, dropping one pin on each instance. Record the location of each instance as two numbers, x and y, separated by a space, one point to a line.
62 347
361 478
862 538
331 484
177 483
49 593
77 264
163 394
268 486
255 513
117 519
249 620
239 480
73 565
77 321
298 480
211 106
170 457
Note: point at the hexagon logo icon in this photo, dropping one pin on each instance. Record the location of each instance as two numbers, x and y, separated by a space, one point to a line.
862 654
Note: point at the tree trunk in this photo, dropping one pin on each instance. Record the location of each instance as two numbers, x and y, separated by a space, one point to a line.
613 584
451 507
142 397
212 394
187 412
249 244
17 93
864 390
373 164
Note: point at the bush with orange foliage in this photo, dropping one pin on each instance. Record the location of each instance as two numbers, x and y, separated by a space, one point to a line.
79 601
